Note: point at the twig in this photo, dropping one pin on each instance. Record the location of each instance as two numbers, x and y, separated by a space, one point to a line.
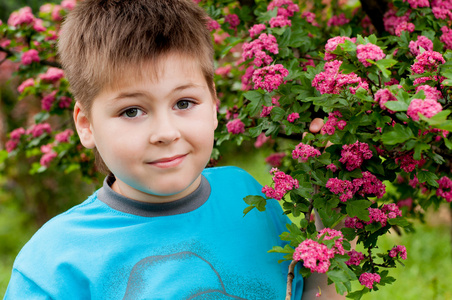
290 277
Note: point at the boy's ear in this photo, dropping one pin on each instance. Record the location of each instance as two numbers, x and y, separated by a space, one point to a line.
83 126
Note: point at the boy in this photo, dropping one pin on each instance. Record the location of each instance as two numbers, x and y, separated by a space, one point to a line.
161 227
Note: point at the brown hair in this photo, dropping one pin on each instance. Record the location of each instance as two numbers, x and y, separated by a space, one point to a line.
100 40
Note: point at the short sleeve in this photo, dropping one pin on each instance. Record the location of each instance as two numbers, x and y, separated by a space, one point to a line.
21 287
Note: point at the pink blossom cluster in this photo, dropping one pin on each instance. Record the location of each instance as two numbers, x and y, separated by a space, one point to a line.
275 159
293 117
446 37
256 30
55 10
407 163
353 155
332 167
442 9
356 258
279 21
266 110
368 184
223 71
369 51
338 20
331 81
27 83
427 108
30 56
445 188
282 184
14 139
63 137
65 102
48 155
399 249
235 126
255 49
441 133
388 211
269 78
430 92
404 26
332 123
303 152
24 16
310 17
392 21
368 279
405 203
37 130
48 100
212 25
68 4
418 3
415 182
332 44
261 140
246 78
315 256
233 20
384 95
52 75
286 8
427 61
327 234
424 79
422 41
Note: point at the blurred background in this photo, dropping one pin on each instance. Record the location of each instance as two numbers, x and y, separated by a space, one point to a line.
28 201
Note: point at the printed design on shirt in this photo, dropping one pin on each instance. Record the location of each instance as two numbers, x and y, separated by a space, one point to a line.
190 274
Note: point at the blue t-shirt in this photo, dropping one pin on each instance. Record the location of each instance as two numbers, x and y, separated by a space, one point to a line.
198 247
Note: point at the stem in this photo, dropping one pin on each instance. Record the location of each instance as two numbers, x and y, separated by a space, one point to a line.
290 277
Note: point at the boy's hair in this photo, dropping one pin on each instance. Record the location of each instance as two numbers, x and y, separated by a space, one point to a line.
102 40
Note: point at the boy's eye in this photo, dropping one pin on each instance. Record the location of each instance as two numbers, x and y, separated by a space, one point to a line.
132 112
184 104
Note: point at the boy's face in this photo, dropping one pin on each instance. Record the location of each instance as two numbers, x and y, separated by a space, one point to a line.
154 134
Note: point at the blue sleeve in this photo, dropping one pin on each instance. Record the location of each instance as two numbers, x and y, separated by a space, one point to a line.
21 287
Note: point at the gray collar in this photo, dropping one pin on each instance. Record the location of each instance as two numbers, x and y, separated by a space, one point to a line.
121 203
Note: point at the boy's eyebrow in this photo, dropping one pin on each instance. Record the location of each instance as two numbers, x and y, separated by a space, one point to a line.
146 94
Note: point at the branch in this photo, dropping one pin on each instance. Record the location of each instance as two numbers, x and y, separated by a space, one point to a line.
290 277
375 9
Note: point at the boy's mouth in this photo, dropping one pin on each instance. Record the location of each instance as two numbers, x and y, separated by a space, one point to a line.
168 162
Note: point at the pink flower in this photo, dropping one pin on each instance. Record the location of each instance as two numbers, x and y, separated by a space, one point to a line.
223 71
391 20
369 51
441 12
446 37
47 158
63 137
212 25
430 92
400 249
52 74
338 20
256 30
65 102
17 133
255 49
279 21
236 126
368 279
382 96
427 61
47 101
30 56
68 4
369 184
39 129
38 25
445 188
354 155
332 167
269 78
355 258
266 110
246 78
282 184
310 17
332 44
293 117
404 26
408 163
23 16
56 13
315 256
261 140
427 108
423 42
27 83
233 20
418 3
11 145
286 8
332 234
303 152
275 159
343 187
332 123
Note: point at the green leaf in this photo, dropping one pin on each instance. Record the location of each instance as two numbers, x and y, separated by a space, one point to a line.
397 105
257 201
277 114
418 150
398 135
358 208
429 177
447 143
279 249
256 102
3 155
399 221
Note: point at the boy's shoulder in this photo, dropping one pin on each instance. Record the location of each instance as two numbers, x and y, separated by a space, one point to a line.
227 173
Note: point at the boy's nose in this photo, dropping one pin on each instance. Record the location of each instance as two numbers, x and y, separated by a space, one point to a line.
164 131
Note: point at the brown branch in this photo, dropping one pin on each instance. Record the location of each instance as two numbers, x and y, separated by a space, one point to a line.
290 277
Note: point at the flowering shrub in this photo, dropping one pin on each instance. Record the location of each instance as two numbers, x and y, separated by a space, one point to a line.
382 89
